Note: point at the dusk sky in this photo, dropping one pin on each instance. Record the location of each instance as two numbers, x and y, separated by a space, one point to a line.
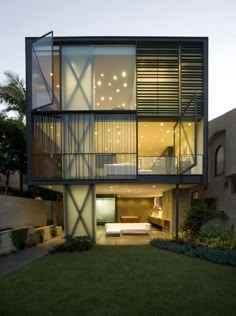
215 19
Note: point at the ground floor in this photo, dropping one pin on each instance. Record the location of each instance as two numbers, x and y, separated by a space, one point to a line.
88 207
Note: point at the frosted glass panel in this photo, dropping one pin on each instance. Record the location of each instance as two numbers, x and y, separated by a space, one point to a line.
42 71
77 78
105 210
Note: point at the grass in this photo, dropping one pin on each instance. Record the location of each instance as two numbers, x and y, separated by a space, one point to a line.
119 280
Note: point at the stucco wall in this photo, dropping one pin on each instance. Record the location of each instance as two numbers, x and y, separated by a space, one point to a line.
19 212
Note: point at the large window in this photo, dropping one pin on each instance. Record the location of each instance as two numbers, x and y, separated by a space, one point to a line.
84 145
98 78
219 161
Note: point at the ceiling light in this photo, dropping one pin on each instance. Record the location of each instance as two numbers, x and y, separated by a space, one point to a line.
123 74
105 148
58 86
99 83
110 98
109 84
161 124
141 136
154 186
123 104
108 129
189 124
118 141
114 77
118 133
95 133
162 140
117 90
102 98
145 125
125 84
98 103
102 75
167 131
51 74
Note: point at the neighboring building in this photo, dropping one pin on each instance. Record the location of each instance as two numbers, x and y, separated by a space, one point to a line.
222 166
118 124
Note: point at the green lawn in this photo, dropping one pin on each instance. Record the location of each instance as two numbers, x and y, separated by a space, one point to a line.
119 280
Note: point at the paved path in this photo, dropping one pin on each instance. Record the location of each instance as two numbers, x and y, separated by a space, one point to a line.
14 261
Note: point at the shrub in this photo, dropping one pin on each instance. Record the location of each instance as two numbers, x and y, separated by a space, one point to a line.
40 233
79 243
53 231
18 237
211 254
198 215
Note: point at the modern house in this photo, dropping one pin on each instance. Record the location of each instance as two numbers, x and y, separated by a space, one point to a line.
222 167
118 124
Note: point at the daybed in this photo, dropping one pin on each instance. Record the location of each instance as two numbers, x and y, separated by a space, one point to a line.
127 228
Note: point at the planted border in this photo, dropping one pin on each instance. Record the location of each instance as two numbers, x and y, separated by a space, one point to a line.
211 254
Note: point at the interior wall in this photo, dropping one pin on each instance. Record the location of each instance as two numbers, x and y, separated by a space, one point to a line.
142 207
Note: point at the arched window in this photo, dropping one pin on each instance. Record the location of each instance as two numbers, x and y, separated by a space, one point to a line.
219 161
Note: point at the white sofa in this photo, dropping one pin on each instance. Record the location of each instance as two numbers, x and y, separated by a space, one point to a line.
127 228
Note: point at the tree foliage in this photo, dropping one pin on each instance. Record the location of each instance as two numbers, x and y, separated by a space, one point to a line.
12 147
13 94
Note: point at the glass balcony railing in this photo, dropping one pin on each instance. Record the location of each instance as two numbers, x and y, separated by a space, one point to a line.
109 166
156 165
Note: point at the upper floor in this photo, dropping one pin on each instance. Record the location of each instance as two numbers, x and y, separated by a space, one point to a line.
116 107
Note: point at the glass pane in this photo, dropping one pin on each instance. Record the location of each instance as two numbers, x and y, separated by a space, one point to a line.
42 71
46 146
115 78
77 78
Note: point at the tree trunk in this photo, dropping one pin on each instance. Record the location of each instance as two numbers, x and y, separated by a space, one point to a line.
7 182
21 181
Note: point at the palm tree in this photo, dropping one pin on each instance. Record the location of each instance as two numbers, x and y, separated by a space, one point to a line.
13 94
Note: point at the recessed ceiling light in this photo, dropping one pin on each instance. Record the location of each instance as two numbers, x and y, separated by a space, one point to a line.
154 186
117 90
189 124
123 104
118 133
58 86
110 98
145 125
167 131
108 129
99 83
95 133
109 84
161 124
98 103
162 140
114 77
125 84
102 98
141 136
123 74
102 75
